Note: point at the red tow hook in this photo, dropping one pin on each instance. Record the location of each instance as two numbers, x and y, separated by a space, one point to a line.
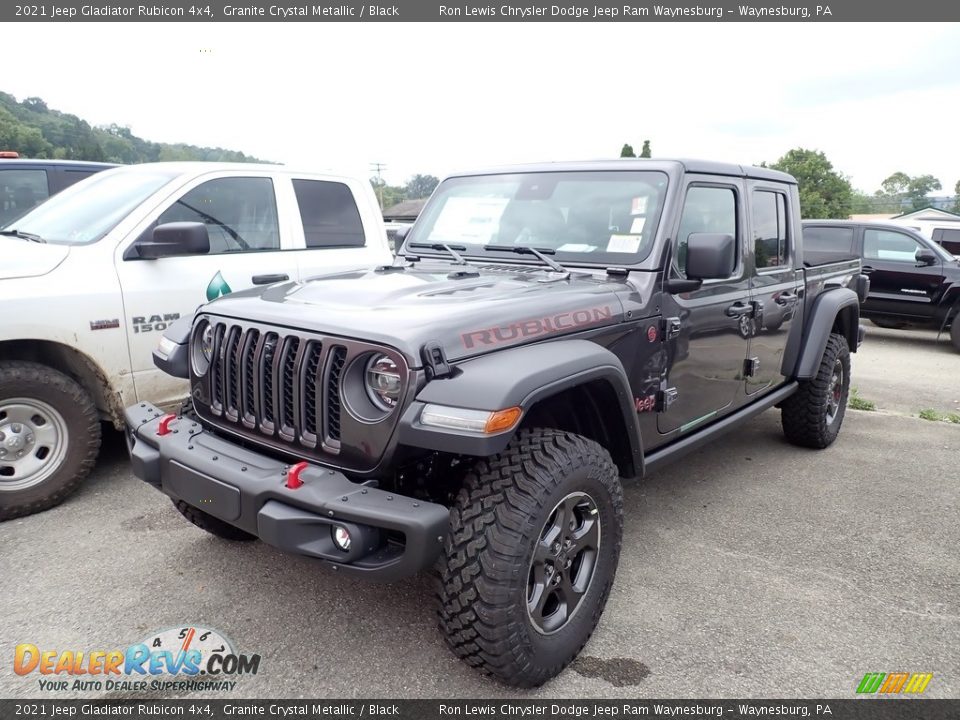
164 427
293 475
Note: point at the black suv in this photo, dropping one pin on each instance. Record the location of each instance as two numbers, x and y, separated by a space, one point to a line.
914 282
27 183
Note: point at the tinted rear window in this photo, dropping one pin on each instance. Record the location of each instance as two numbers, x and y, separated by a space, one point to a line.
329 214
823 243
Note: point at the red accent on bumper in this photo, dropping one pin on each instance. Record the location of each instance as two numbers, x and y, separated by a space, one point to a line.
293 475
164 427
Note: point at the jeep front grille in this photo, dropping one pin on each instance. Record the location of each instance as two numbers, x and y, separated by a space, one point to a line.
278 384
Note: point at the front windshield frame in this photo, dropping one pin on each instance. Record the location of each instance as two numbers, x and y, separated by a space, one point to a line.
651 184
78 215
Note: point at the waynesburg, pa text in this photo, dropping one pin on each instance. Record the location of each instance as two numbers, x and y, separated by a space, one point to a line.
531 12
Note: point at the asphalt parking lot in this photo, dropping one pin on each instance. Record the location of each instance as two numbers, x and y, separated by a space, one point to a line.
752 568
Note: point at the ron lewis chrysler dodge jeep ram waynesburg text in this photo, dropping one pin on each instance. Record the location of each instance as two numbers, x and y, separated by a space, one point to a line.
545 332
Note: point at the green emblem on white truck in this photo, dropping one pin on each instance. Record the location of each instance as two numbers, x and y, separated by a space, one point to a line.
217 287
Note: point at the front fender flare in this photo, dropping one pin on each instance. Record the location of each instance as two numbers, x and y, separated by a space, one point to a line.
519 377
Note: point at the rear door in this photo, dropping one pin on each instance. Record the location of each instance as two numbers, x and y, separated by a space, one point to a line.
775 283
331 228
898 284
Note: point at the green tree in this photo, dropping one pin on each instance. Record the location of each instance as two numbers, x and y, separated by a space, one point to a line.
645 153
421 186
824 192
956 197
902 193
627 151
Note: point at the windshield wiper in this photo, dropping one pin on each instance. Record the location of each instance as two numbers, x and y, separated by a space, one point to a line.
458 259
23 235
541 253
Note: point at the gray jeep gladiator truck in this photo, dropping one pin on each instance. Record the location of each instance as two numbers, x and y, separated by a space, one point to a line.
544 332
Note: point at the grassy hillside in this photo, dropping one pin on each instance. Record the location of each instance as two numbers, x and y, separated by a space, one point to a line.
34 130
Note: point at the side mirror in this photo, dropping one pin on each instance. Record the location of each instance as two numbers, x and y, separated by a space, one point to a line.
176 238
926 256
711 256
401 234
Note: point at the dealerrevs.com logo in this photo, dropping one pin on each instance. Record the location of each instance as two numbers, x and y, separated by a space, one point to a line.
188 658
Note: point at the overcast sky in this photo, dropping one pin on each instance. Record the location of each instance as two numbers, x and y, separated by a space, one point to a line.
437 97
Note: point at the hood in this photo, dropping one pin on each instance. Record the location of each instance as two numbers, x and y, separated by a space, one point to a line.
468 310
21 258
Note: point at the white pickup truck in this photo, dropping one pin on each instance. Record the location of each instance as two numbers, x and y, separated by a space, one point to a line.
90 278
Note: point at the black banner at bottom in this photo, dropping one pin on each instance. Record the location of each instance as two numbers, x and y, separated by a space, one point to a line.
864 708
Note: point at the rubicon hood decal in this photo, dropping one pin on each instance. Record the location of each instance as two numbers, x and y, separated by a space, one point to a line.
534 327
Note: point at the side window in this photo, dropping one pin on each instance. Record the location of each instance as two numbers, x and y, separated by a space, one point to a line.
769 213
240 214
329 214
825 240
889 245
21 190
705 210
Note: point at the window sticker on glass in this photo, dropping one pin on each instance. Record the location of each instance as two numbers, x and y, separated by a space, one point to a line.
638 206
637 227
576 247
624 243
469 219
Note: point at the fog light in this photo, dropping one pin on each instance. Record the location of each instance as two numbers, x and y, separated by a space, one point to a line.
341 537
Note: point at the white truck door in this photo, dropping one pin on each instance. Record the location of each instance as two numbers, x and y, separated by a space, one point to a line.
339 225
248 244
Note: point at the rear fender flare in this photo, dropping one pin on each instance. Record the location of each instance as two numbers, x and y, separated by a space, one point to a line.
829 307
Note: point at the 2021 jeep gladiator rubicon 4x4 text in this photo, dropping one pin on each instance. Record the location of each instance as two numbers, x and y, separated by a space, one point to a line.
545 332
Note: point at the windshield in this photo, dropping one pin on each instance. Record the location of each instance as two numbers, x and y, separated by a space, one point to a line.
85 212
584 217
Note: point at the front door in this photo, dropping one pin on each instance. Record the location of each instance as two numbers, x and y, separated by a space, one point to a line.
245 242
775 284
898 284
707 356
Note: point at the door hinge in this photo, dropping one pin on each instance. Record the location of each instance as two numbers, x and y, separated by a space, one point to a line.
666 398
751 366
669 328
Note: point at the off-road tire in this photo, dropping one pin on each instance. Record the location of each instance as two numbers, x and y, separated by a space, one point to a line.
213 525
495 525
81 425
805 415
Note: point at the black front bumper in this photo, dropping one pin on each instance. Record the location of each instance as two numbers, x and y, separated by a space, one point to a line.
392 536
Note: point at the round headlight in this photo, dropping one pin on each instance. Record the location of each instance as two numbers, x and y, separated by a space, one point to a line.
202 350
383 382
206 343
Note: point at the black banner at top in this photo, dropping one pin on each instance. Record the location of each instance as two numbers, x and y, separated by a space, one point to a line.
201 11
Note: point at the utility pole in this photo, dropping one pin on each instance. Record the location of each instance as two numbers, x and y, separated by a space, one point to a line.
378 168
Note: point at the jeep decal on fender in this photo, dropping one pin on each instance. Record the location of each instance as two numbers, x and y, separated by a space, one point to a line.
536 326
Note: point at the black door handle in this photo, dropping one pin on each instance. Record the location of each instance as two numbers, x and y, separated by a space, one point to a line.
739 309
786 298
267 279
866 269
